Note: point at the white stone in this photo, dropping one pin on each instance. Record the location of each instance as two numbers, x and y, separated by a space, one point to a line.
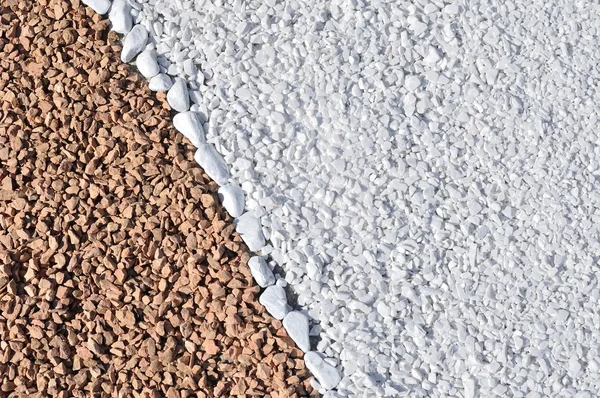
297 325
146 64
412 83
232 198
134 43
120 16
100 6
261 272
212 162
178 96
328 376
190 125
275 301
250 229
160 82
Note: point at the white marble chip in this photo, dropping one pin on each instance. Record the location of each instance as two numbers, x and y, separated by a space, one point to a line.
190 125
147 64
100 6
275 301
232 198
261 272
160 82
212 162
134 43
120 16
178 96
297 324
250 229
327 375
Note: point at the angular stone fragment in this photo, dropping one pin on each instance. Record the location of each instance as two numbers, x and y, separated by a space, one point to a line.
213 163
134 43
146 64
120 16
327 375
261 272
190 125
160 82
232 198
297 325
100 6
249 228
275 301
178 96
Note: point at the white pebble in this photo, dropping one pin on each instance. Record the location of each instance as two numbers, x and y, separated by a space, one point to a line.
100 6
120 16
232 198
212 162
261 272
160 82
412 83
275 301
190 125
250 229
134 43
327 375
178 96
296 324
146 64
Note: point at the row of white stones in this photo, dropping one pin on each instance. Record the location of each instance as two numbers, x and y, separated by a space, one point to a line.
190 122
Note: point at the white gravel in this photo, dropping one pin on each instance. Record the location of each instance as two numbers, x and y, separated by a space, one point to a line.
426 173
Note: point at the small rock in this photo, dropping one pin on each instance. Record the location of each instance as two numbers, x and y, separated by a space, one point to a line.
249 228
146 64
134 43
190 125
275 301
160 82
100 6
232 198
178 96
120 16
296 324
261 272
327 375
213 163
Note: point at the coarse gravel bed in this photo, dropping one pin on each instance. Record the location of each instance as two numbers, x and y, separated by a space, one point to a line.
120 273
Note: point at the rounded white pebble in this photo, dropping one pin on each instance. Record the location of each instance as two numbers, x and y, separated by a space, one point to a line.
190 125
146 64
100 6
134 43
232 198
296 324
120 16
327 375
249 228
178 96
261 272
275 301
212 162
160 82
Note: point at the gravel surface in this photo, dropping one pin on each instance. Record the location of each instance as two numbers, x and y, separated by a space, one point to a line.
120 274
425 172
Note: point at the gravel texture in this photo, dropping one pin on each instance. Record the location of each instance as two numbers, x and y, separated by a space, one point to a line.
120 275
426 174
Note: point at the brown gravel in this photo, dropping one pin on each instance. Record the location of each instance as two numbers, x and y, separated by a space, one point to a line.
120 275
